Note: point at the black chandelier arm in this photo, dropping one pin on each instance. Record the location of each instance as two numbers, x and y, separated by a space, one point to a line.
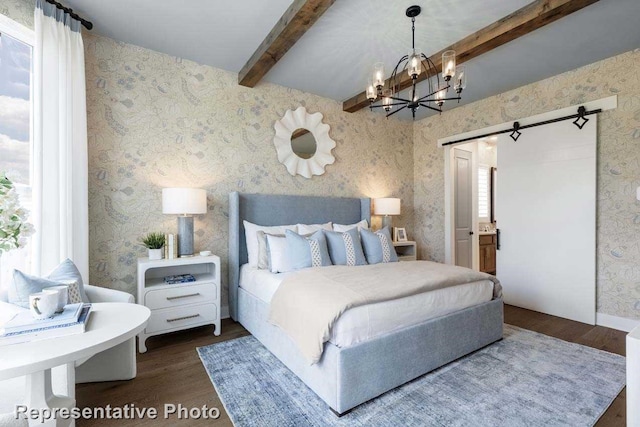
398 99
431 94
388 105
430 107
397 111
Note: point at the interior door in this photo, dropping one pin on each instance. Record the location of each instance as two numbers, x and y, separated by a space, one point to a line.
547 206
463 208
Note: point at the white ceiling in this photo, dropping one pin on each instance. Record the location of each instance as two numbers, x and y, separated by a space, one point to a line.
334 58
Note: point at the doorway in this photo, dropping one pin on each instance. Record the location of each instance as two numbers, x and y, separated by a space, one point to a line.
473 168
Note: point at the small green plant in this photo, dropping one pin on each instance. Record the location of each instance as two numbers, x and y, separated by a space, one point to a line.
153 241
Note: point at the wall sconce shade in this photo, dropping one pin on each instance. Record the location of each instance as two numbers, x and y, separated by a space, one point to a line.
184 201
386 206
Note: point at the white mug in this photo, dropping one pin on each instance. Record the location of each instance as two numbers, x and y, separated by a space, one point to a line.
63 296
43 304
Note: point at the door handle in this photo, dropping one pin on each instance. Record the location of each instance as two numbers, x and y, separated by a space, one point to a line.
471 233
497 239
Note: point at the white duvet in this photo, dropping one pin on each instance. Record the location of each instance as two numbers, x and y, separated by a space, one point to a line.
365 322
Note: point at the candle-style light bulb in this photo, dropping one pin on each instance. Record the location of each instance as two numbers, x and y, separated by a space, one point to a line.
414 67
461 79
371 91
448 64
387 101
439 97
378 75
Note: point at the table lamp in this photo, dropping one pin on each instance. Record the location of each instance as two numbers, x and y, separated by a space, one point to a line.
184 202
386 207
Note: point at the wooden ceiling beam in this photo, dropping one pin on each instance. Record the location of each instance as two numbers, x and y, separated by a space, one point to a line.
298 18
523 21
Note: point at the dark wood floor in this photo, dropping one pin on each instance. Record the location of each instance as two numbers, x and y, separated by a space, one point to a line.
171 372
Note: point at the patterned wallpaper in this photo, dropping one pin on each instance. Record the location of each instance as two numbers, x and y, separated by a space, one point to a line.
157 121
618 212
20 11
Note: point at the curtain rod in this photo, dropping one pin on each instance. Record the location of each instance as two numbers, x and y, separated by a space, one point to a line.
515 130
87 24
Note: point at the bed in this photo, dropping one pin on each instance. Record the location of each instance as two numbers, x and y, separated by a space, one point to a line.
342 377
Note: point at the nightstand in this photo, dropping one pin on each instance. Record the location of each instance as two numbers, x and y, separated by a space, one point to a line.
406 251
182 305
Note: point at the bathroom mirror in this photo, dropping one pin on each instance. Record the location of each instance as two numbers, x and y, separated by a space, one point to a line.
303 143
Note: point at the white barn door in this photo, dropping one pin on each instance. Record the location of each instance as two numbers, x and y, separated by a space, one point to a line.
546 205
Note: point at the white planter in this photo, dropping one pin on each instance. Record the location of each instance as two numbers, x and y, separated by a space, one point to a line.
155 253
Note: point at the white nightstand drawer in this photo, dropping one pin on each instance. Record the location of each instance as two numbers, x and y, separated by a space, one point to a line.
181 317
173 297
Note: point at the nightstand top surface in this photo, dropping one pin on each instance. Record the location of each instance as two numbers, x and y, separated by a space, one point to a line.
407 243
166 262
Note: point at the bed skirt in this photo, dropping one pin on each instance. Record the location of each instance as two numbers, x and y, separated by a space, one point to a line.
346 377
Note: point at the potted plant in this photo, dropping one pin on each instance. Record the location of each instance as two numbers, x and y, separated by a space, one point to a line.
154 242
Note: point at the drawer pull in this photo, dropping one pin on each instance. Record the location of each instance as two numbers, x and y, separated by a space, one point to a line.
183 296
193 316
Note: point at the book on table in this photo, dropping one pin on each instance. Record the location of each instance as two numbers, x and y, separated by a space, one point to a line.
179 278
40 331
24 321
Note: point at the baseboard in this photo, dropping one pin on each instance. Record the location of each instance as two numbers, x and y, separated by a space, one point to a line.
224 312
614 322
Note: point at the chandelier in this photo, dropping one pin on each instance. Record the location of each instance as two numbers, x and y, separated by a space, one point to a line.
387 96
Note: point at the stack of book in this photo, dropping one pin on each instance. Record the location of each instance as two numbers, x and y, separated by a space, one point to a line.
24 328
179 278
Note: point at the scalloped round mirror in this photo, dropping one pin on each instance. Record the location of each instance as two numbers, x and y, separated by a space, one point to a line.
303 143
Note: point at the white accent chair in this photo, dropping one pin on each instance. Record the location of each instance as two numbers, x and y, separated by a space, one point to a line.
117 363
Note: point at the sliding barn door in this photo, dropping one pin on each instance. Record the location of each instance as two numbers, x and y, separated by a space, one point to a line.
546 214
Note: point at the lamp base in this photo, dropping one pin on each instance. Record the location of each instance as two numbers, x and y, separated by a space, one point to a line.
185 236
386 222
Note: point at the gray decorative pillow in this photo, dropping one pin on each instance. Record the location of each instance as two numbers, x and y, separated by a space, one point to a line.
378 246
345 248
65 274
304 252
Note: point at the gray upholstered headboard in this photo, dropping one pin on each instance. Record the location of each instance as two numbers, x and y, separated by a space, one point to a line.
267 209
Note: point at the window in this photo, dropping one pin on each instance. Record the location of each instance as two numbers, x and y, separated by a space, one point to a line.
16 44
484 193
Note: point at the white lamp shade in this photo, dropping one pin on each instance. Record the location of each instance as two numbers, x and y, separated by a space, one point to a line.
386 206
183 201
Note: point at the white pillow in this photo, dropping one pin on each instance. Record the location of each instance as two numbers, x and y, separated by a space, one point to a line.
251 236
360 225
312 228
278 259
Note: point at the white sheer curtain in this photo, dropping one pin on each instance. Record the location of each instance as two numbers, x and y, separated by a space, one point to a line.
60 201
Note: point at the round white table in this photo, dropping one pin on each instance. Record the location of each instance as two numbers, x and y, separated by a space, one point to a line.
109 324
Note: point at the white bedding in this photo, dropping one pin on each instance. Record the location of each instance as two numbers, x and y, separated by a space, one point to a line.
365 322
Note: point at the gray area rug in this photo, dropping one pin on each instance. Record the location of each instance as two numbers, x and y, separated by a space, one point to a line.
527 379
